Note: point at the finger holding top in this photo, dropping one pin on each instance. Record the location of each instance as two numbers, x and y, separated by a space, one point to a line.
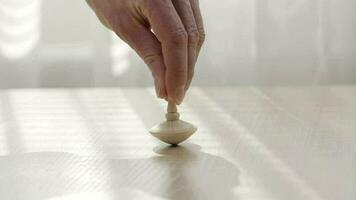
170 31
170 50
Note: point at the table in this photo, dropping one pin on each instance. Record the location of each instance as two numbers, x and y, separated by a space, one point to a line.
252 143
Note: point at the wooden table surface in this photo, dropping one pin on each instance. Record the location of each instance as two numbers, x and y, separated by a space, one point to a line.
252 144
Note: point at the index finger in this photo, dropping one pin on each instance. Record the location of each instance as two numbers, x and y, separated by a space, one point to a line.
170 31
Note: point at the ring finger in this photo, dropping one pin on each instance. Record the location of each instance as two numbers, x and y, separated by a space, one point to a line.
185 11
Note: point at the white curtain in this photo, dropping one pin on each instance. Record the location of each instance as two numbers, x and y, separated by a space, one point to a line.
60 43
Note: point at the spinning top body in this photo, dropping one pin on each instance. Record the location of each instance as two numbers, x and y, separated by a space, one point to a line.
173 131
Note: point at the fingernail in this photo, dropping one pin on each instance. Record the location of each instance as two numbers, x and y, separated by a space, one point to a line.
157 88
162 93
179 95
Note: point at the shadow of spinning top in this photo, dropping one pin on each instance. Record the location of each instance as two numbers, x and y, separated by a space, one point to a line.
173 131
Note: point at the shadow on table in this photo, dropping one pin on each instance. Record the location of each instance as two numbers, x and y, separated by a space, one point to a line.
175 173
182 172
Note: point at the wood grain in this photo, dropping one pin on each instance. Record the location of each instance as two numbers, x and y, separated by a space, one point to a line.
252 143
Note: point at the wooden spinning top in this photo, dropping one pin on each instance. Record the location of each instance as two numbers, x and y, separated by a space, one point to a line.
173 131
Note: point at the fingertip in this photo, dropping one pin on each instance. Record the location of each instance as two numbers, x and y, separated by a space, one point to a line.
177 95
160 88
162 93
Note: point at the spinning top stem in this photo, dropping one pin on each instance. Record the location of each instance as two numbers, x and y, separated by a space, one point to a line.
171 107
173 130
172 113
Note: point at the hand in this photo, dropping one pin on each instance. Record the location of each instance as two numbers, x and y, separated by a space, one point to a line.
170 49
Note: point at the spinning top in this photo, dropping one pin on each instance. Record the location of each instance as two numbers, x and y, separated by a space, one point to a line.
173 131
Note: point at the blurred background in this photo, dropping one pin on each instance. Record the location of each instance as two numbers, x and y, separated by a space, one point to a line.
60 43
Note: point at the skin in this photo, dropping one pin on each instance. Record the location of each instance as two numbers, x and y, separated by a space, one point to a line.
166 34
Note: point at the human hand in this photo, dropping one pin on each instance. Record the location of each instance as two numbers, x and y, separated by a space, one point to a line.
170 49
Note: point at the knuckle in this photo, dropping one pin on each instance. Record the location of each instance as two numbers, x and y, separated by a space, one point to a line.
202 35
194 35
179 36
150 58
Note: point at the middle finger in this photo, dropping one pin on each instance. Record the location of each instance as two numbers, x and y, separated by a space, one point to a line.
185 12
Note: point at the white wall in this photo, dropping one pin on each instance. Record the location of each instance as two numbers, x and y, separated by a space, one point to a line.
60 43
